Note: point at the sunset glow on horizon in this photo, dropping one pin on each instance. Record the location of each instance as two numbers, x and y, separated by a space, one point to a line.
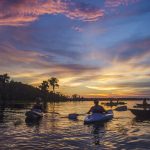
95 48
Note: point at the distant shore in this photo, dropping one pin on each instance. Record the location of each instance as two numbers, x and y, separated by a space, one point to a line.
115 99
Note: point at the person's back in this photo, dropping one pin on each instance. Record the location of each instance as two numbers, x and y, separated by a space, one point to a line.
37 106
97 108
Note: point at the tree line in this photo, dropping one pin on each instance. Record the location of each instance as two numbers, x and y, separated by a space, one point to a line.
11 90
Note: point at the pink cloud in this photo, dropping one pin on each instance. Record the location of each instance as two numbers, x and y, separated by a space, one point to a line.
26 11
23 12
117 3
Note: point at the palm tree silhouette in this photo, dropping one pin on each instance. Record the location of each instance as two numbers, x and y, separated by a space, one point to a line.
53 82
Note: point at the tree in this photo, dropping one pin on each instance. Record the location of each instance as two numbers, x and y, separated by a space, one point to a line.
4 79
54 83
44 86
12 91
74 96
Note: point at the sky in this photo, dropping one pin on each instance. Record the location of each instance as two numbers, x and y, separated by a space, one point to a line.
96 48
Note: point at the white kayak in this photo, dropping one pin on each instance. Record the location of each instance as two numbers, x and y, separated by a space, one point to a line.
98 117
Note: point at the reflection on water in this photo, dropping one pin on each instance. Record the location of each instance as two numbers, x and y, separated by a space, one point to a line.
98 131
31 123
56 131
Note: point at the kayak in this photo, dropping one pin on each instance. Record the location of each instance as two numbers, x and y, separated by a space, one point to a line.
73 116
34 114
140 113
142 106
114 103
98 117
121 108
148 105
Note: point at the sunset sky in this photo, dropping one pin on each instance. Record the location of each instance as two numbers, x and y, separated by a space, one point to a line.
95 48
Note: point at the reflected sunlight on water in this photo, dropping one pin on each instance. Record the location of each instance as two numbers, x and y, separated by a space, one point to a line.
56 131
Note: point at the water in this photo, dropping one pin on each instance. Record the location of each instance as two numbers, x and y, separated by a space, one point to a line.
56 131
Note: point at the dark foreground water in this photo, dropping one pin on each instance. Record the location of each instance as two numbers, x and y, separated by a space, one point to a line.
56 131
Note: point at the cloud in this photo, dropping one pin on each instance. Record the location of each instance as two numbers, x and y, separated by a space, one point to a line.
84 62
18 13
34 66
130 55
98 77
134 84
23 12
122 89
9 53
133 50
117 3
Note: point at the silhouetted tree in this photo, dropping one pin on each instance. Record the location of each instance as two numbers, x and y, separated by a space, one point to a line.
76 97
10 91
4 78
44 86
53 82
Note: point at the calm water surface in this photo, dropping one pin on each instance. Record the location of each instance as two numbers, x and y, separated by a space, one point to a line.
56 131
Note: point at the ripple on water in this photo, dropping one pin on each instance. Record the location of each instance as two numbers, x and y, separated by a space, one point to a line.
58 132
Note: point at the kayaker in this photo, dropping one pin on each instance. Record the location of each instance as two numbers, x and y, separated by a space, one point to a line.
38 105
96 108
111 102
144 102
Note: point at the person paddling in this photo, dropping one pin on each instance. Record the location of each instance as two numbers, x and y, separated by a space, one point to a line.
38 106
144 104
97 108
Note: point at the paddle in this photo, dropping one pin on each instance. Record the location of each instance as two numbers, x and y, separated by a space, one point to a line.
52 113
11 111
75 115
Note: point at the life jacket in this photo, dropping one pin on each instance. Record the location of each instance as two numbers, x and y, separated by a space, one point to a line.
98 109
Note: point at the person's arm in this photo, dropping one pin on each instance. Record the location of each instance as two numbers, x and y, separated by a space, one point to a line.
103 109
90 110
33 107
